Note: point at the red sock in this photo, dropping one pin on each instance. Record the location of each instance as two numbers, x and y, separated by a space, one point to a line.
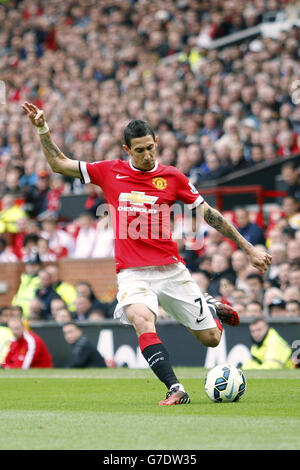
147 339
219 324
158 358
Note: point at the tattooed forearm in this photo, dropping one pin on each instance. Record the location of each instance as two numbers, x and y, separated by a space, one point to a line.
58 162
51 151
217 221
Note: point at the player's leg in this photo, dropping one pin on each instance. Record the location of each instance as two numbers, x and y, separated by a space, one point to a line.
182 298
153 350
210 337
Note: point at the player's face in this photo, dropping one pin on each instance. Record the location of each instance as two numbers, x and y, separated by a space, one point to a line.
142 152
258 331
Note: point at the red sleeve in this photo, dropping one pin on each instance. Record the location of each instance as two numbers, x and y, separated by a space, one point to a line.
96 172
186 192
12 360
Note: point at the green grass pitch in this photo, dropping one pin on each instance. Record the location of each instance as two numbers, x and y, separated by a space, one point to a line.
118 409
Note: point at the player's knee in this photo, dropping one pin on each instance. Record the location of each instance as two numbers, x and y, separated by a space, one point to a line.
210 338
142 320
214 339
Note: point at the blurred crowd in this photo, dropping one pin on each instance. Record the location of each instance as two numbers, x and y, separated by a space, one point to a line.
93 65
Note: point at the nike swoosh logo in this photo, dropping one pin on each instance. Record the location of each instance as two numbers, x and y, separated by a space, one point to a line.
231 392
119 177
153 356
199 320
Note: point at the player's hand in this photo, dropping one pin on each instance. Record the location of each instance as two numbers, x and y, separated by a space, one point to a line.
35 114
260 259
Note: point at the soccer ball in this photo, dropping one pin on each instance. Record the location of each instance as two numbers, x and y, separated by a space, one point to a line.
225 383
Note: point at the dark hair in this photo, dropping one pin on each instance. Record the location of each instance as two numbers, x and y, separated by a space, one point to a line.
255 276
137 128
293 301
255 302
31 238
71 323
257 320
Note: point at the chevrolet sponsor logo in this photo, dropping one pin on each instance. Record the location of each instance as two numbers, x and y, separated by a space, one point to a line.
137 198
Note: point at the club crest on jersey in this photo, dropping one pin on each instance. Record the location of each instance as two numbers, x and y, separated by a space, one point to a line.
138 198
159 183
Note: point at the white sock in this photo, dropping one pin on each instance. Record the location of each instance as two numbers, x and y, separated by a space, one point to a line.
180 387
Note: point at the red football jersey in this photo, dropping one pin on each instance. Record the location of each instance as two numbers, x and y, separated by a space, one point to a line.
29 351
140 203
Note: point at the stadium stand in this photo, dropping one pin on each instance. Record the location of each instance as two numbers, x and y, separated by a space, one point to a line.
216 81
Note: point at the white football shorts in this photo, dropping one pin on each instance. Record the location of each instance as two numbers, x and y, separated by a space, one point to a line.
170 286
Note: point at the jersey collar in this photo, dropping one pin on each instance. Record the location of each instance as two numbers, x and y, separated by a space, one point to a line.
143 171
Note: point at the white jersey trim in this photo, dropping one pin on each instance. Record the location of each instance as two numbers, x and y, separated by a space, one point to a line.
83 170
196 203
30 352
144 171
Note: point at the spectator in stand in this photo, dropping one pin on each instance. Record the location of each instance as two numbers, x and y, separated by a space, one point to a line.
202 278
255 287
28 350
290 207
288 145
44 251
239 262
27 228
64 289
29 177
277 307
291 180
269 350
84 288
241 308
291 293
29 283
56 304
227 286
292 308
35 311
10 214
251 231
29 246
60 242
84 354
237 159
239 296
6 254
213 167
278 253
36 196
94 199
96 315
57 187
220 267
294 277
283 276
293 251
6 335
46 293
83 306
254 309
63 315
86 238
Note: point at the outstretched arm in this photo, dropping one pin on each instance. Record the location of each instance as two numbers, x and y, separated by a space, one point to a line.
258 258
58 162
